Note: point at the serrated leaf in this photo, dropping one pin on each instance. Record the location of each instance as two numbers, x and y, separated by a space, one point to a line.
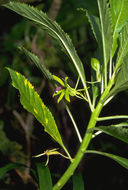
54 30
44 70
32 57
45 181
123 46
96 28
119 131
32 102
119 16
120 160
78 182
105 30
95 25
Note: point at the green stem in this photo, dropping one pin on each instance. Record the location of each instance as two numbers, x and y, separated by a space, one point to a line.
67 153
69 172
87 138
74 123
112 117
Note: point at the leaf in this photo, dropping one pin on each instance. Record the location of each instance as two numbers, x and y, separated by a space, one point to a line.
61 96
119 16
105 29
58 80
119 131
78 182
123 46
120 160
45 71
96 28
67 97
54 30
7 1
45 181
32 102
32 57
8 167
94 23
121 82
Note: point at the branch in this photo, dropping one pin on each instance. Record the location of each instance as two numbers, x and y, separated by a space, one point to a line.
112 117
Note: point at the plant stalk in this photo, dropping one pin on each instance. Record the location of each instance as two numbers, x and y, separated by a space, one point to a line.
87 138
112 117
74 123
69 172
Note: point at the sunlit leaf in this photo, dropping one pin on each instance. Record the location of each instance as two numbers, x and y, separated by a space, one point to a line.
46 72
67 97
119 131
32 103
78 182
45 181
95 26
120 160
58 80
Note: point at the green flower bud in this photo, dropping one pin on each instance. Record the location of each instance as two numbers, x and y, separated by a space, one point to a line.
95 64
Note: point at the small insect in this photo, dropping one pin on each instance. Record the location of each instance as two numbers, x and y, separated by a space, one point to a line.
49 153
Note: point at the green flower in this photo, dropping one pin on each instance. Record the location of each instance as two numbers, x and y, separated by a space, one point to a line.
65 91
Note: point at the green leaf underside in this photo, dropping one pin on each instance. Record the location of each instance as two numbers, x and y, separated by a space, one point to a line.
32 57
32 102
96 29
121 82
106 32
45 181
120 160
123 46
54 30
78 182
119 16
119 131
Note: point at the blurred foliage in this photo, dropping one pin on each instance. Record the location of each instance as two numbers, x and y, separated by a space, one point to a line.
10 148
